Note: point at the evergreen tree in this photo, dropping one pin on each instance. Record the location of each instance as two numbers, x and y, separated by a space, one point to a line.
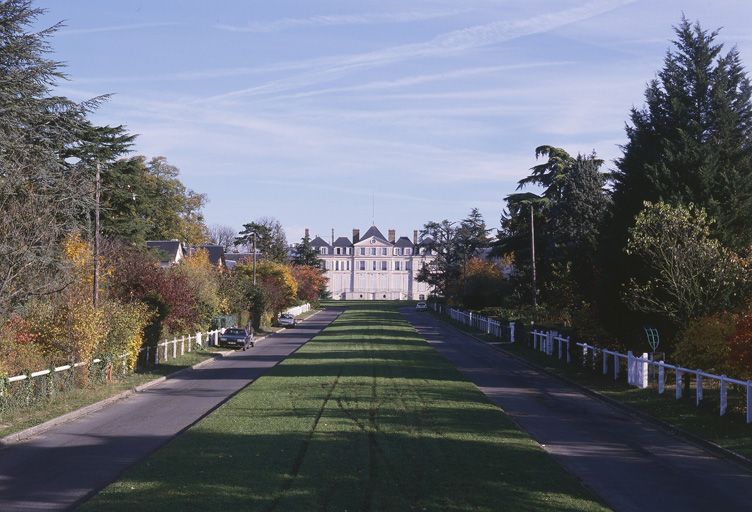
692 142
42 196
306 254
270 238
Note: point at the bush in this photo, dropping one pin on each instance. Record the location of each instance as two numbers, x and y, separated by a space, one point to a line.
740 347
704 343
125 332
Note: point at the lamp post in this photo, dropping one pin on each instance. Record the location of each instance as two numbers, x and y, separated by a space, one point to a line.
532 251
254 257
97 196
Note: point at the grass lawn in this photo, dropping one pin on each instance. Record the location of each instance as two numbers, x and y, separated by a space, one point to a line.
364 417
730 431
75 398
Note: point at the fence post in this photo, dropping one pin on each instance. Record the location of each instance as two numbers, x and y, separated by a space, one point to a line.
698 388
174 348
511 331
630 368
561 342
678 384
643 373
569 352
605 362
199 341
661 378
724 396
182 345
584 355
616 366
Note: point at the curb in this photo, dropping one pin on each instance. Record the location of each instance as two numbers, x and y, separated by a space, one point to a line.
698 441
23 435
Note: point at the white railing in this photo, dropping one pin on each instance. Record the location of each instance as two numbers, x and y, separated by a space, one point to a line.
637 368
298 310
482 323
159 353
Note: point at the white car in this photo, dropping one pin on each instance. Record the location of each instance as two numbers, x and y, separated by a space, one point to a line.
421 306
287 320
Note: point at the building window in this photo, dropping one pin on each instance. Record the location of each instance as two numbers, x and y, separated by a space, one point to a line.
348 250
337 250
336 265
362 251
395 251
397 265
421 297
374 264
408 251
407 265
322 250
384 251
373 251
422 250
362 264
323 265
348 264
384 264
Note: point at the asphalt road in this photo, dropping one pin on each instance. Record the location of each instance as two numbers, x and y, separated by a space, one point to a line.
631 464
63 466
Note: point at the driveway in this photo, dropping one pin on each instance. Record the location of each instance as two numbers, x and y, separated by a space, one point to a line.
631 464
61 467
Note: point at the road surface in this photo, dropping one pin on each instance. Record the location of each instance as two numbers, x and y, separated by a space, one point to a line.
63 466
630 463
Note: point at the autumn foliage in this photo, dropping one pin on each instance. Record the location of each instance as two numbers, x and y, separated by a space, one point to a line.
310 281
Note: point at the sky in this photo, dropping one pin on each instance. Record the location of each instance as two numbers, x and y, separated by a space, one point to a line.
336 114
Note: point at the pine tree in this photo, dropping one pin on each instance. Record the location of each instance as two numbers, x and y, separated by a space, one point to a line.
692 142
305 254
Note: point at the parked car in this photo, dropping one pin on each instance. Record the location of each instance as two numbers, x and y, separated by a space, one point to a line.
238 338
287 320
421 306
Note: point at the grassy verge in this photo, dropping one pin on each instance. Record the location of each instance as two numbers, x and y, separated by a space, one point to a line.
730 431
75 398
366 416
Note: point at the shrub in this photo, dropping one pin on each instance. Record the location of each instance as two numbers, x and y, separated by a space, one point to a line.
704 343
740 347
125 332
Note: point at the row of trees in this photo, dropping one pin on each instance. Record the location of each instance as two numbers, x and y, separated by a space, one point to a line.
50 156
661 239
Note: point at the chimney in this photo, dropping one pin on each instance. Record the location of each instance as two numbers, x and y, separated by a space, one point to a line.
392 234
307 235
332 237
356 236
415 237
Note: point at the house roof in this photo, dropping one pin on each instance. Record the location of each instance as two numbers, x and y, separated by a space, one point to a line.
373 231
427 240
319 242
216 253
403 241
240 256
342 241
167 249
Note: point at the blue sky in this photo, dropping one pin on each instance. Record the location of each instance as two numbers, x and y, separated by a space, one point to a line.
304 111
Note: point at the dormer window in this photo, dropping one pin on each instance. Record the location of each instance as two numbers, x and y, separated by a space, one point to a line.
323 250
338 250
384 251
408 251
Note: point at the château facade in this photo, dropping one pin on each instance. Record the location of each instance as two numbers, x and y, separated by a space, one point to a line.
373 267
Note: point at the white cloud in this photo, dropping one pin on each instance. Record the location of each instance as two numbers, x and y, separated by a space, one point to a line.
114 28
450 43
336 20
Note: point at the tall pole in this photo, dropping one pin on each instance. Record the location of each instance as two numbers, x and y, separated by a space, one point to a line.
97 194
532 251
254 259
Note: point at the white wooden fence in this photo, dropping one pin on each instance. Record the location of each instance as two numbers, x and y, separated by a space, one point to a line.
479 322
298 310
160 353
637 368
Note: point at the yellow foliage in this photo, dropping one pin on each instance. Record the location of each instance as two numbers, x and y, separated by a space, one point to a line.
125 331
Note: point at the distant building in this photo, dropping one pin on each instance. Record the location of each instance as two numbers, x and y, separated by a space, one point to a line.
374 267
169 252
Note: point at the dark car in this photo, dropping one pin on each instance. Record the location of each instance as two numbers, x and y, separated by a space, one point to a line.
238 338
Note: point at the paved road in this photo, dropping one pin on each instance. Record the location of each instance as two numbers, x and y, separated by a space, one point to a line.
631 464
59 468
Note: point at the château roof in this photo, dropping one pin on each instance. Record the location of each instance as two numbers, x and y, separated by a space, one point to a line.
403 241
342 241
319 242
373 231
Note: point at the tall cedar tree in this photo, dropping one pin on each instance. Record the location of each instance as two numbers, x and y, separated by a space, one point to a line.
37 131
270 238
690 143
305 254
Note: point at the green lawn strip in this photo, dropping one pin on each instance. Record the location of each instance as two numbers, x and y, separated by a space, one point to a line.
730 431
366 416
64 402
